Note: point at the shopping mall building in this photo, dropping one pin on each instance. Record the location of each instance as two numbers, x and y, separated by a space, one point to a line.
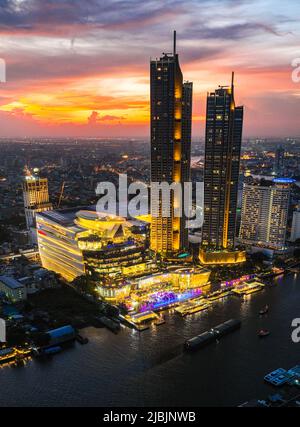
114 250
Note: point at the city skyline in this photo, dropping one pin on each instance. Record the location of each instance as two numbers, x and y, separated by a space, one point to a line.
149 206
89 76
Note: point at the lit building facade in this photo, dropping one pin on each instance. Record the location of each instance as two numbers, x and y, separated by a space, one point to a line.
12 289
161 290
181 278
224 123
36 199
112 250
73 243
171 116
58 243
265 212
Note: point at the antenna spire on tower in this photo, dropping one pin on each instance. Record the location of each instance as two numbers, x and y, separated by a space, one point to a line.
174 43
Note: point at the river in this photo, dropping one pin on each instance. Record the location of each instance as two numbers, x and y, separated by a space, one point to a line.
151 369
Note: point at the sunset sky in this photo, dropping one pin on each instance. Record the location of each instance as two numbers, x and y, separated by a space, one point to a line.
81 67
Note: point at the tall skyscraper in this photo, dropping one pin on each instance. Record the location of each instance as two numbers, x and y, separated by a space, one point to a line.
223 138
36 199
171 118
265 212
278 167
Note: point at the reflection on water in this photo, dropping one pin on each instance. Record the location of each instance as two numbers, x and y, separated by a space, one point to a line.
246 304
151 368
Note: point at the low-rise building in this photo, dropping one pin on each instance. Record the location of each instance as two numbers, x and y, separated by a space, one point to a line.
13 289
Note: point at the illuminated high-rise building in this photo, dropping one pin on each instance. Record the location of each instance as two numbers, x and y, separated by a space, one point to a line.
278 167
36 199
224 123
171 117
265 212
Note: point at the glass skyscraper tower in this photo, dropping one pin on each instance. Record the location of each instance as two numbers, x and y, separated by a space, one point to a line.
171 117
224 122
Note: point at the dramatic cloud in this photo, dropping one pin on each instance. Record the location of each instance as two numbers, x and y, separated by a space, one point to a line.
78 67
95 118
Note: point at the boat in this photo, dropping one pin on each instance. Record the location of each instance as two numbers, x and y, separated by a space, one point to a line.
263 333
109 323
255 287
7 355
159 321
142 327
12 354
248 288
226 327
196 308
52 350
142 321
264 310
81 339
19 361
275 271
222 293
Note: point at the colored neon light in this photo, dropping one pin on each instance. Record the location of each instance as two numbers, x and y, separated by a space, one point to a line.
284 180
183 255
235 282
164 298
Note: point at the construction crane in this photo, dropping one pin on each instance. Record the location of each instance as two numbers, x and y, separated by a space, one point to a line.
61 194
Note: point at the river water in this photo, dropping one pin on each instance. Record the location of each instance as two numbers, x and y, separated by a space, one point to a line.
151 369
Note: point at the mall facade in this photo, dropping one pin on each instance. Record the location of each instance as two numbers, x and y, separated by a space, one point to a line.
113 251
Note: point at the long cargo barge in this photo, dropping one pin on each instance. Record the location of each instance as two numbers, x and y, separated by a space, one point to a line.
109 323
273 273
213 335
